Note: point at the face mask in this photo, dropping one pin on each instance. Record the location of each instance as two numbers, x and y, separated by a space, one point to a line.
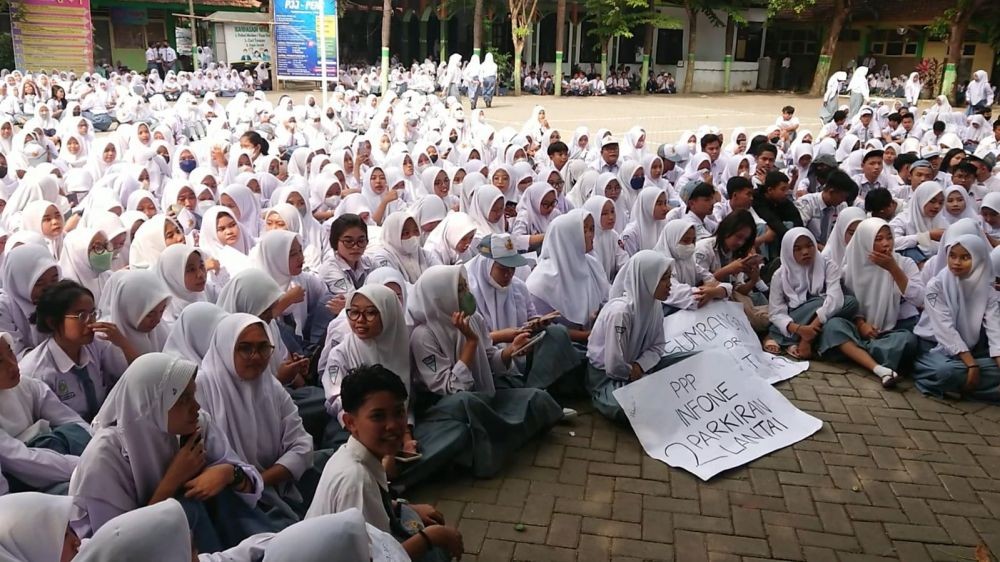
774 139
684 251
204 206
188 166
410 246
100 261
385 146
453 140
637 183
332 202
302 211
434 159
329 115
493 283
50 132
467 304
3 171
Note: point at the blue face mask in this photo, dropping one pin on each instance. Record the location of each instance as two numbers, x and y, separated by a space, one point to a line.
637 183
188 166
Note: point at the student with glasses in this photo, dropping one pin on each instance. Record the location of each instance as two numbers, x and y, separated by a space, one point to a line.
237 386
345 268
78 367
87 258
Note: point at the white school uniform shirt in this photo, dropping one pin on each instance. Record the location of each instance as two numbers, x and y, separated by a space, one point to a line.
435 367
353 477
340 278
26 411
811 208
611 330
703 228
938 324
831 129
723 209
778 309
989 144
48 363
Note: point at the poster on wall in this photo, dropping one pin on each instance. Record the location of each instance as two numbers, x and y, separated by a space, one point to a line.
297 36
52 34
182 38
247 42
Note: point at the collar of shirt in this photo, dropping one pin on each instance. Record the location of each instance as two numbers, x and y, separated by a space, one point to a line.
371 463
63 361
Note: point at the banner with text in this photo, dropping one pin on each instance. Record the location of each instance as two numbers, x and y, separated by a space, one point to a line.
247 42
52 34
297 38
724 323
708 414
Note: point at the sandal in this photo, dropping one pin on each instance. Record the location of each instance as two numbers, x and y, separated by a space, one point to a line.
771 346
891 380
794 353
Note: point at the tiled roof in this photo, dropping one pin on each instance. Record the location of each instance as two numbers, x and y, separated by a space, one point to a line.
244 4
876 11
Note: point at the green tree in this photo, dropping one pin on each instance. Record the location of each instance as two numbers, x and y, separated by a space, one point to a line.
954 25
618 18
522 15
837 15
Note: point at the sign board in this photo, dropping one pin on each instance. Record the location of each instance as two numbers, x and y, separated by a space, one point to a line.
707 414
724 324
52 34
247 42
297 38
183 40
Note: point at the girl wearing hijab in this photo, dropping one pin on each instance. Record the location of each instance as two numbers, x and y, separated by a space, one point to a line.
693 285
40 437
535 211
843 230
805 295
830 101
182 270
608 247
154 532
468 377
567 279
979 93
151 239
36 528
401 247
152 442
280 255
44 218
379 196
627 340
191 333
888 290
647 223
222 238
451 239
428 212
989 212
858 87
487 210
607 185
238 389
960 329
87 259
918 229
245 206
316 244
958 204
138 300
27 271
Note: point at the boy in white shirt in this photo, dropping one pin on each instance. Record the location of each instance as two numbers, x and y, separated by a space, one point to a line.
788 123
819 210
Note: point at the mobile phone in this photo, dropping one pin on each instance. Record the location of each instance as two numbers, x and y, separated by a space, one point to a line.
404 456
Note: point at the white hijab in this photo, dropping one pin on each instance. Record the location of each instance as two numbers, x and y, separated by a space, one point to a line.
482 201
33 526
157 532
138 293
75 261
344 533
833 85
939 261
393 251
387 348
684 270
498 305
647 230
136 409
233 258
434 300
635 285
22 268
149 242
31 220
967 298
447 234
915 210
835 246
567 278
171 270
192 331
801 282
605 241
246 410
877 293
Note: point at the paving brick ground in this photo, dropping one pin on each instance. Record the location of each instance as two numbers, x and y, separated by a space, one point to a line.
891 476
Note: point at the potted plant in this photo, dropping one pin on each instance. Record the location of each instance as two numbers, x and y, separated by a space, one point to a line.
505 71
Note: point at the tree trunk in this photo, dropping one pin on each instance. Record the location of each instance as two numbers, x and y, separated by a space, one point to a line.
560 42
647 51
956 35
386 29
477 29
605 48
692 41
841 9
518 46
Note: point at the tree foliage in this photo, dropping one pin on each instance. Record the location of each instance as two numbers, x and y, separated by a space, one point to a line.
620 18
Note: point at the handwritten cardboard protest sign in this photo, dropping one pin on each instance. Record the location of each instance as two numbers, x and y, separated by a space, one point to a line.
707 414
724 325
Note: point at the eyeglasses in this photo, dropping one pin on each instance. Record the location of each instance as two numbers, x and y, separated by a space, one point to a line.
370 314
86 317
557 184
248 351
354 243
613 189
101 248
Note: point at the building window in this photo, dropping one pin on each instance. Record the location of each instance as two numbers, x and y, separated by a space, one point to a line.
129 36
889 43
669 46
969 50
798 42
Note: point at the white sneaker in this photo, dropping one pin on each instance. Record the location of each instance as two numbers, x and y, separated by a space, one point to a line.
568 414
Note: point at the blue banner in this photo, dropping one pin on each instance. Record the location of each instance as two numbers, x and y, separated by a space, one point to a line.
297 38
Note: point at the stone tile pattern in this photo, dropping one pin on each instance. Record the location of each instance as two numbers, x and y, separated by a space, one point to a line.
893 475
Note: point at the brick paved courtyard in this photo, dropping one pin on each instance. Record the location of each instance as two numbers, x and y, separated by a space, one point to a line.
891 476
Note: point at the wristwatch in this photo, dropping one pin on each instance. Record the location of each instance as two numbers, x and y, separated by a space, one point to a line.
239 477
